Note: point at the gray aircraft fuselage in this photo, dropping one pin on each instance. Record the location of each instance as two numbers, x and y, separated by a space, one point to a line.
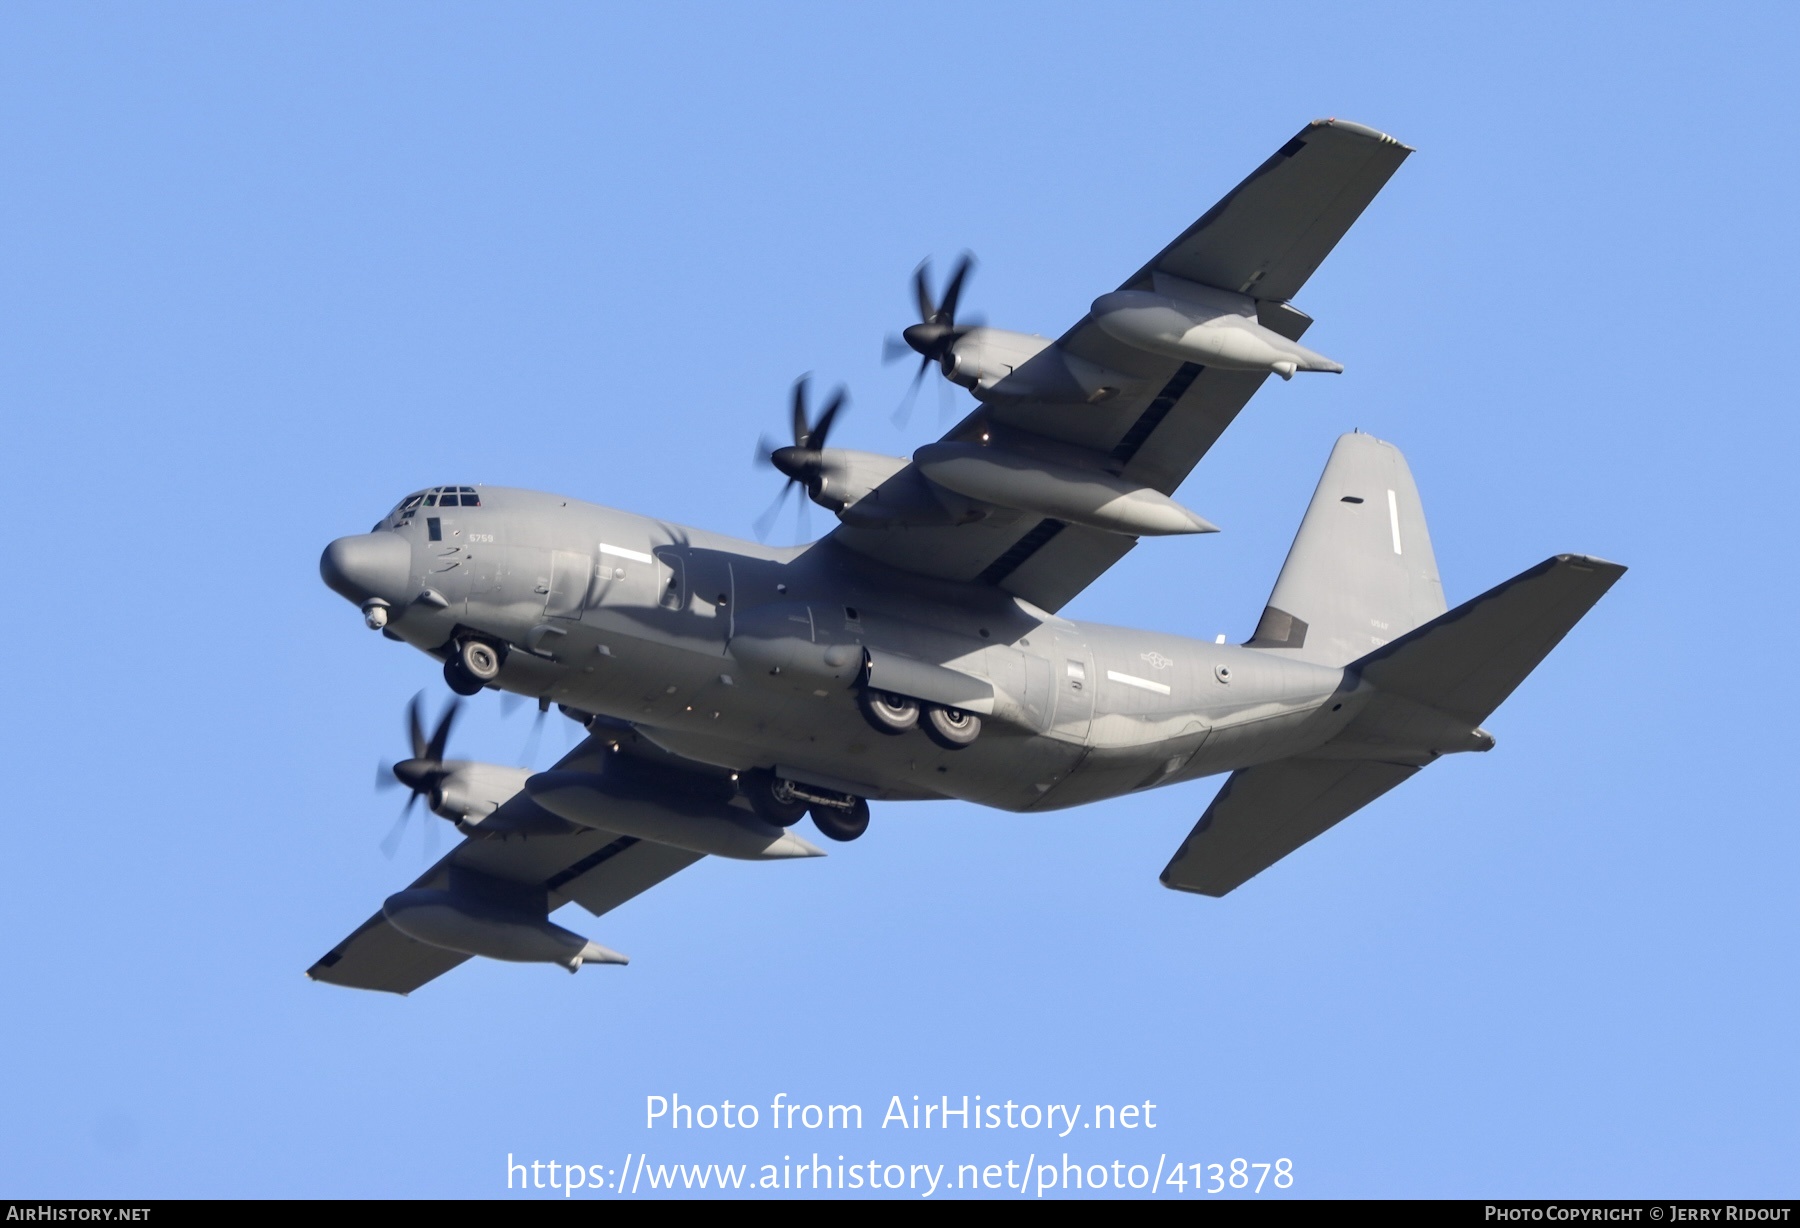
744 657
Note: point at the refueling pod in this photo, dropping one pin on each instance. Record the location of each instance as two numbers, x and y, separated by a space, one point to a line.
1200 324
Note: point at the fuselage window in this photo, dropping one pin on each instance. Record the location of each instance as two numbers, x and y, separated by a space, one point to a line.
434 528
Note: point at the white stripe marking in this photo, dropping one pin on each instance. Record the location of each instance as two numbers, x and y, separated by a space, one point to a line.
1394 519
635 556
1144 683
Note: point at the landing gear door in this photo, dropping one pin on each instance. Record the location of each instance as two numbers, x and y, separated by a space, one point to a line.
570 576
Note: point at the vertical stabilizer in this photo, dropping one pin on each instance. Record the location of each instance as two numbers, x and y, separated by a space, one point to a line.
1360 571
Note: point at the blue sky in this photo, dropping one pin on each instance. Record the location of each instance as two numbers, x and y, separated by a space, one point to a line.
267 268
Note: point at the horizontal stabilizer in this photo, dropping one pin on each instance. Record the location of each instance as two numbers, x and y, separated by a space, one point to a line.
1266 812
1466 662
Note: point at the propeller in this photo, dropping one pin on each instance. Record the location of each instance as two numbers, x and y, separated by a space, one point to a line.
421 773
801 460
935 333
510 703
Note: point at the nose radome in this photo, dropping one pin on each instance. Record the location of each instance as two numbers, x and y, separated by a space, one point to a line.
368 565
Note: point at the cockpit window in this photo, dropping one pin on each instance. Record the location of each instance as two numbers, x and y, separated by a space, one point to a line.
437 496
452 496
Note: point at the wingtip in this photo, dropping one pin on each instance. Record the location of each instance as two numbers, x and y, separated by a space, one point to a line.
1589 562
1376 134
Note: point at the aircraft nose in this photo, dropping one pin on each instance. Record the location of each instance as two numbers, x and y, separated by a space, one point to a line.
368 565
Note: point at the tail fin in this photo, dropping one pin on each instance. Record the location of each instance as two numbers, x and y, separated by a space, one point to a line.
1360 571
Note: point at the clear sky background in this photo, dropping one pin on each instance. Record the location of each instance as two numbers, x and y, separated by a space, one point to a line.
264 269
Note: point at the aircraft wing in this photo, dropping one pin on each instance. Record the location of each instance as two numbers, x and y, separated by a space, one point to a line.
1142 416
598 870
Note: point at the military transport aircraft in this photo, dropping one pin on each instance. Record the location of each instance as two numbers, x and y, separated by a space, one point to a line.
915 652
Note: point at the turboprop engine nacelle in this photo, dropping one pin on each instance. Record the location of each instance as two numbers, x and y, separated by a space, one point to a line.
469 792
474 926
841 476
1200 324
982 357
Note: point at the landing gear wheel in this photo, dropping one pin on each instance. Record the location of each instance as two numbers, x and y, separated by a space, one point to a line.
951 728
772 798
843 825
458 679
479 659
888 713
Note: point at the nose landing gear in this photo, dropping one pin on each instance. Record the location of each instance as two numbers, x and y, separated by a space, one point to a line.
472 665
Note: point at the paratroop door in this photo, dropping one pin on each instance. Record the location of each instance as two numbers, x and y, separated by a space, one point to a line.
570 574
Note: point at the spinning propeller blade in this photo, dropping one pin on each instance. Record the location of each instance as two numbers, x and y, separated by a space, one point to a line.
801 461
933 337
420 773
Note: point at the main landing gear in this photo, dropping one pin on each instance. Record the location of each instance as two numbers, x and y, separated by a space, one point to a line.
838 816
950 728
473 663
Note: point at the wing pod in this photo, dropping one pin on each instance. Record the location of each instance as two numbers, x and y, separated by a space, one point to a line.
1081 496
607 802
1203 325
472 925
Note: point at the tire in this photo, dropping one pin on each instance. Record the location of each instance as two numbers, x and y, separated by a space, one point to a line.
951 728
887 712
768 795
479 659
842 825
458 679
